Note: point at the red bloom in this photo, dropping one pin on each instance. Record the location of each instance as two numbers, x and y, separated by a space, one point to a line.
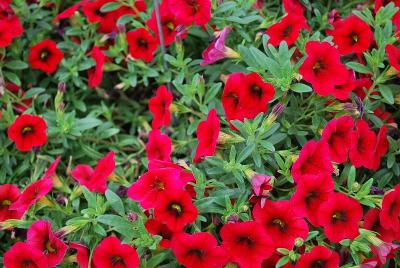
142 44
70 11
339 216
393 54
261 186
385 116
362 85
372 222
246 243
313 160
191 11
112 253
363 143
207 135
45 56
10 26
159 146
282 221
31 194
198 250
28 131
351 35
337 133
322 68
23 255
342 91
159 106
82 254
288 29
9 193
20 93
319 256
381 148
41 236
293 6
310 193
156 227
231 97
95 74
148 188
389 216
175 208
95 180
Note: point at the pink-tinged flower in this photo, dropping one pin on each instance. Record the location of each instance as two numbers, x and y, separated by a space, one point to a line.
41 236
112 253
287 29
193 11
207 135
9 193
261 185
159 146
159 106
23 255
31 194
363 143
95 75
82 254
384 251
156 227
95 180
148 188
217 50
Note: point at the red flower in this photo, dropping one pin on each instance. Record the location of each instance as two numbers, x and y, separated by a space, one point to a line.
389 216
381 148
339 216
156 227
362 85
393 54
319 256
293 6
20 93
351 35
191 11
246 243
322 68
175 208
41 236
70 11
95 180
261 186
198 250
288 29
82 254
112 253
159 146
45 56
342 91
142 44
159 106
207 135
310 193
385 116
9 193
372 222
273 260
363 142
95 74
231 97
51 170
10 26
28 131
23 255
313 160
337 133
148 188
282 221
31 194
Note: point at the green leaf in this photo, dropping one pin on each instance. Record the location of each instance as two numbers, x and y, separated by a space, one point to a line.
111 6
301 88
90 197
358 67
86 123
351 177
386 93
16 65
12 77
115 201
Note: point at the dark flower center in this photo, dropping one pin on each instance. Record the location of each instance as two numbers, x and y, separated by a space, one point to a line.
27 130
280 224
287 30
354 37
142 43
310 196
245 240
318 66
234 98
27 263
49 247
116 260
44 54
194 5
339 216
176 209
196 252
318 264
158 184
255 90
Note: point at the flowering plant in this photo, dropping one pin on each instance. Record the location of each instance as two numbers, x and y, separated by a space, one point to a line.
199 133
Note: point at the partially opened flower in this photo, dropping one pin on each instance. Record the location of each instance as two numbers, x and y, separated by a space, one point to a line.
261 185
156 227
95 74
194 11
142 44
82 254
287 29
69 12
372 222
159 146
9 193
363 143
319 256
159 106
207 135
24 103
45 56
23 255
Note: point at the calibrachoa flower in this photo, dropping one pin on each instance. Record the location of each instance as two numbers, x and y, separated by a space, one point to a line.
95 75
193 11
159 106
393 54
381 147
207 135
293 6
261 186
363 142
342 91
246 243
340 216
198 250
287 29
319 256
95 179
389 216
142 44
19 107
156 227
45 56
372 222
112 253
82 254
10 25
159 146
9 193
23 255
28 131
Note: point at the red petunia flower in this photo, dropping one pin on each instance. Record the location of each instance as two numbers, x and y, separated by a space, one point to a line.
159 106
82 254
193 11
95 180
342 91
41 236
288 29
159 146
351 35
322 68
95 75
175 208
70 11
110 252
319 256
340 216
9 193
45 56
381 148
23 255
389 216
363 142
293 6
231 97
372 222
385 116
314 159
31 194
337 133
25 103
393 54
156 227
10 25
28 131
148 188
198 250
282 221
207 135
310 193
142 44
246 243
362 85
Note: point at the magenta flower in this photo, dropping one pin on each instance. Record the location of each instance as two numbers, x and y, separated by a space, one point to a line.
261 185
